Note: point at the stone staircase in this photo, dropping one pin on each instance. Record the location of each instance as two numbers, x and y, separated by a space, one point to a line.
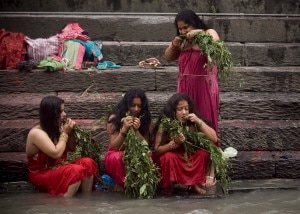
261 118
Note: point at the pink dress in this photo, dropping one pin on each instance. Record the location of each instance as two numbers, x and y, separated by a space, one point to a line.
200 84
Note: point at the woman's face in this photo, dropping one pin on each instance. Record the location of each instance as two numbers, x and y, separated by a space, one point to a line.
182 110
136 107
184 28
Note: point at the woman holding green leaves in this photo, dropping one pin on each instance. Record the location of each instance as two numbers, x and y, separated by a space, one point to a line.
131 112
177 164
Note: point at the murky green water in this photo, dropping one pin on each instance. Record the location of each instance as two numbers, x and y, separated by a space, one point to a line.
257 202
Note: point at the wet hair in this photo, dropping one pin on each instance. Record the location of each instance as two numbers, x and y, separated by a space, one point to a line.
50 110
123 107
191 18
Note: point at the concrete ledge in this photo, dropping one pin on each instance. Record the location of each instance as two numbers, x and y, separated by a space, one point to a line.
247 165
247 79
233 105
114 27
244 135
221 6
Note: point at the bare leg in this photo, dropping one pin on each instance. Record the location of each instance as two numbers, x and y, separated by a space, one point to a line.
72 189
87 184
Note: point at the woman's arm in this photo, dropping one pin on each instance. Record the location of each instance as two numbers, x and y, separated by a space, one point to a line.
172 52
209 132
116 139
38 140
160 148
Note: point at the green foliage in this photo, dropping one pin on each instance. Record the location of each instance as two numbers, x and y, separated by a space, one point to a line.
195 141
85 146
217 54
142 175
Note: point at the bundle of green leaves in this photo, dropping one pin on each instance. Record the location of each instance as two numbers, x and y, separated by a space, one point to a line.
142 175
85 146
217 54
197 140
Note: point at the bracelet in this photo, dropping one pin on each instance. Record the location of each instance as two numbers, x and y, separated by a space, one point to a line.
123 134
63 136
211 177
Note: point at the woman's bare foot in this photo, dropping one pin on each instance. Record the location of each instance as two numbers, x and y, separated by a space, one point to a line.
199 189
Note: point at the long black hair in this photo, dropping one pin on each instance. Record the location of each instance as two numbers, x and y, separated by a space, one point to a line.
169 111
190 18
122 109
50 110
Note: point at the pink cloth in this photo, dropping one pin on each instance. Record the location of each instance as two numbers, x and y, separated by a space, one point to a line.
114 165
200 84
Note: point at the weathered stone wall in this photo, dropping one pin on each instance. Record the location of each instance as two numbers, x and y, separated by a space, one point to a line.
154 6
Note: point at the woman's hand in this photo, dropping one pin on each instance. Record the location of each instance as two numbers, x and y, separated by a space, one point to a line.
127 123
68 126
176 42
179 139
193 118
136 123
190 35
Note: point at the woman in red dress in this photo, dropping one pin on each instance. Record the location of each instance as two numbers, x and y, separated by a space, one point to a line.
174 167
131 111
46 148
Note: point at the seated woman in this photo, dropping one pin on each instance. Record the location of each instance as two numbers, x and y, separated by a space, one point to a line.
131 111
46 148
174 167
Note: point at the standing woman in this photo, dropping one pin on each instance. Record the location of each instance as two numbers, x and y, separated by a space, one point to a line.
197 81
46 148
131 111
174 167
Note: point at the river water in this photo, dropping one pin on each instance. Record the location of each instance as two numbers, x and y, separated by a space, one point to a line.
267 201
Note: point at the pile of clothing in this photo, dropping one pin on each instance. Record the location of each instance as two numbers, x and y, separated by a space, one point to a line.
70 49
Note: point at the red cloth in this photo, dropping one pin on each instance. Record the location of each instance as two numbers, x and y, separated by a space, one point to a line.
47 175
12 49
175 169
200 84
114 165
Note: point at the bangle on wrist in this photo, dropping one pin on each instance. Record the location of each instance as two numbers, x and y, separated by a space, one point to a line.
63 136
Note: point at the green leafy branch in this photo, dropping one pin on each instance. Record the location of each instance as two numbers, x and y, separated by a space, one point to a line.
142 175
85 146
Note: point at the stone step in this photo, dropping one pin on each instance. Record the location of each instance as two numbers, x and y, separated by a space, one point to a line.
220 6
279 28
244 135
246 165
233 105
248 79
243 54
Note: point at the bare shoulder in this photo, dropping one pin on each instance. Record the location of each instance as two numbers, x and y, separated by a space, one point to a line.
36 134
213 33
